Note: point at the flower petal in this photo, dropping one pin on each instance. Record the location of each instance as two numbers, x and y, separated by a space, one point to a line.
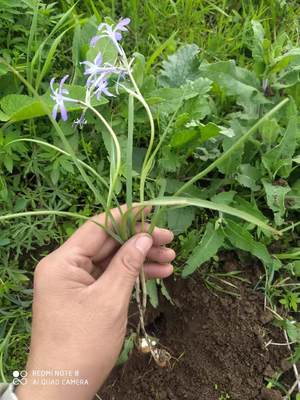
109 29
107 93
94 40
88 63
98 60
51 85
117 36
63 112
62 83
54 111
102 25
121 24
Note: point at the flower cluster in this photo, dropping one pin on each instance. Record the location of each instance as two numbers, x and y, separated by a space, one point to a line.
97 74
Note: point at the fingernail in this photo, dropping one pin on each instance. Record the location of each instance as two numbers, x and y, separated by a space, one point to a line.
143 243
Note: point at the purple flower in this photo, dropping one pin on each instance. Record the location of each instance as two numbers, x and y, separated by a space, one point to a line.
59 98
114 34
101 85
80 122
95 69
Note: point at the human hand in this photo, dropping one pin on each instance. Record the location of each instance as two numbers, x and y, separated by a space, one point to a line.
81 295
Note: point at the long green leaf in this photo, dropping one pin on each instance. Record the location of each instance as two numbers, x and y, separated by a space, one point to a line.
158 51
38 53
50 57
185 201
29 68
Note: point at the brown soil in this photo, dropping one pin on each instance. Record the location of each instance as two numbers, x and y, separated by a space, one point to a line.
218 344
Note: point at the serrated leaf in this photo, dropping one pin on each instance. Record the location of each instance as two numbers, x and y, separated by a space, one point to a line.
235 81
8 163
232 163
180 67
169 161
199 87
276 199
248 176
183 137
13 102
258 39
192 96
240 238
279 159
251 208
224 197
179 219
210 243
289 59
270 131
167 100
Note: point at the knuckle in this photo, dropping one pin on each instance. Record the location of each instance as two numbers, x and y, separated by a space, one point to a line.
43 272
132 263
40 269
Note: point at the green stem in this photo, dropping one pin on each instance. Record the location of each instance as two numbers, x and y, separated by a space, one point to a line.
150 162
232 149
129 159
288 256
288 228
114 177
140 97
156 213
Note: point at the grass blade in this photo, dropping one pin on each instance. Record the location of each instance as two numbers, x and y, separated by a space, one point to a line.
50 57
185 201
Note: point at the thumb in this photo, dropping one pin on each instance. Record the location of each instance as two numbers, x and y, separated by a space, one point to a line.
125 266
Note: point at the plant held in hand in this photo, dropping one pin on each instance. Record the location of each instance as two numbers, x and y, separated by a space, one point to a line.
106 79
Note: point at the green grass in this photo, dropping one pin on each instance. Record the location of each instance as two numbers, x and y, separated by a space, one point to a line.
40 40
